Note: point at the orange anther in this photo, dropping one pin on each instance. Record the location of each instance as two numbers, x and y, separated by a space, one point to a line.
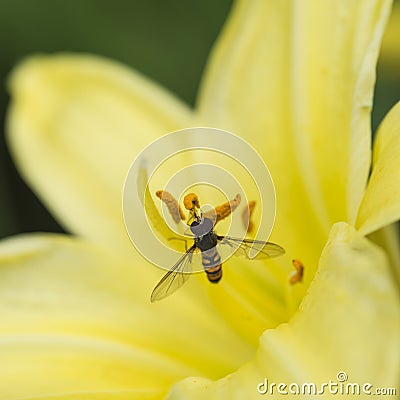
172 205
224 210
246 216
297 275
191 201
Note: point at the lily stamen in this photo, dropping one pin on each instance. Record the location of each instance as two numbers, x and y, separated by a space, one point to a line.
224 210
247 214
172 204
192 204
297 275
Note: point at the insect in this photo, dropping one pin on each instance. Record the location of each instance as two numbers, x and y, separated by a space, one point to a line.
206 242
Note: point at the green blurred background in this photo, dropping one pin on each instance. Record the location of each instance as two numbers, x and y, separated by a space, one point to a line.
168 40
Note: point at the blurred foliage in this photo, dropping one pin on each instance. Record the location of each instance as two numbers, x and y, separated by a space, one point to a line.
168 41
387 90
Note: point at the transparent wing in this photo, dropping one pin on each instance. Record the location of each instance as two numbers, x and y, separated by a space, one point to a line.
174 278
264 249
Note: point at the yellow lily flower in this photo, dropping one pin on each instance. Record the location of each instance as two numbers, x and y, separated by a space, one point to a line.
296 81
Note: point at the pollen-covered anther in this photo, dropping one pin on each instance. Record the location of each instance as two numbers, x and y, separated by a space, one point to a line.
172 205
224 210
297 275
247 214
191 202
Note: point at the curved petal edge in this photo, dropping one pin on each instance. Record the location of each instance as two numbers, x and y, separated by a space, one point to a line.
348 323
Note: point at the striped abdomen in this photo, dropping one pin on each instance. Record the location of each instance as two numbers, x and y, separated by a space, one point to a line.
212 264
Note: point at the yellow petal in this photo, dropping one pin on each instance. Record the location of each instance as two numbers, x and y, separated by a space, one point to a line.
76 124
147 394
349 322
251 296
76 318
381 202
296 80
388 238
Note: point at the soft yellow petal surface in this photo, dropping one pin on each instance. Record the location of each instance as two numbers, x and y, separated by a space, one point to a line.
296 80
106 395
251 296
76 124
388 238
78 319
381 202
349 322
147 394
